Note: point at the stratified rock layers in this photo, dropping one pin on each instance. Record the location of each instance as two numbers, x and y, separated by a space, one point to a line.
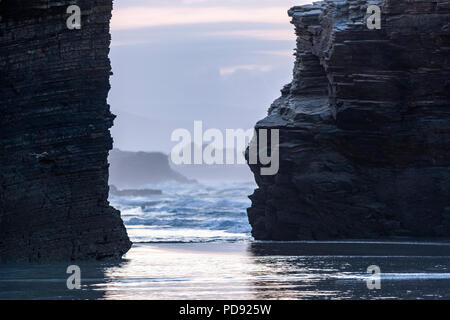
364 126
54 134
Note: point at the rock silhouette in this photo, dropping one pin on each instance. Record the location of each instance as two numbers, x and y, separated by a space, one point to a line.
364 126
54 134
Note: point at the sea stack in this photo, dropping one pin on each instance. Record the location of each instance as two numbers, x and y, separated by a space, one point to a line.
54 134
364 126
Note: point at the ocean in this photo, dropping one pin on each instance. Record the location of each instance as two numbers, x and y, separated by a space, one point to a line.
188 213
194 242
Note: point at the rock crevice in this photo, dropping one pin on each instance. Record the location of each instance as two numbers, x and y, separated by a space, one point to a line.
364 126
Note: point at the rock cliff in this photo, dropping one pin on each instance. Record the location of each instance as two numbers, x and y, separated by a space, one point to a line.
364 126
138 169
54 134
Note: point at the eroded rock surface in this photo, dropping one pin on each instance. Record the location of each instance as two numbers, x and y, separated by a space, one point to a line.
54 134
364 126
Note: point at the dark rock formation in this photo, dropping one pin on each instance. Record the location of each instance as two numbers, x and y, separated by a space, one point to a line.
364 126
54 134
137 169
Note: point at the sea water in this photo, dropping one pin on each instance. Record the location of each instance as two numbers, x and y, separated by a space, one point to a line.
186 213
194 242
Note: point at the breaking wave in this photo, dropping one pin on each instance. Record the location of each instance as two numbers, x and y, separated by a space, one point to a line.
188 213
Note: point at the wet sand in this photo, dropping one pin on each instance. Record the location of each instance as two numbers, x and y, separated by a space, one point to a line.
246 270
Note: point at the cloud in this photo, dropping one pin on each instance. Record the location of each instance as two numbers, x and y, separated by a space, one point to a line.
144 17
282 53
127 43
262 34
226 71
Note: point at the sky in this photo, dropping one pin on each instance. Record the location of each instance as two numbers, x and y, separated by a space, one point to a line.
177 61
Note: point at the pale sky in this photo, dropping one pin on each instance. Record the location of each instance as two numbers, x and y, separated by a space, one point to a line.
177 61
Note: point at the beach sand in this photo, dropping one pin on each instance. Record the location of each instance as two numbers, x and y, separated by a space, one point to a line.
245 270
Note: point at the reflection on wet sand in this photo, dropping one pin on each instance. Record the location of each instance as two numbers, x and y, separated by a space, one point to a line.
338 270
244 270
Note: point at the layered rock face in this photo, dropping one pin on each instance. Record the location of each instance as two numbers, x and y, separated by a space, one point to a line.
54 134
364 126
